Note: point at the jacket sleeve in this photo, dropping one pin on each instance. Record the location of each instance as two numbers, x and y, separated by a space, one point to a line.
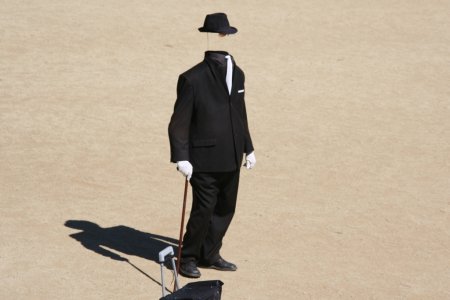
180 121
248 145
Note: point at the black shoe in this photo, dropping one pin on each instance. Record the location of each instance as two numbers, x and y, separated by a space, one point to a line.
222 265
189 269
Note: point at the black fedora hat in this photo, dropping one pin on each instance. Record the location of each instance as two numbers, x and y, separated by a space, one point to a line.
218 23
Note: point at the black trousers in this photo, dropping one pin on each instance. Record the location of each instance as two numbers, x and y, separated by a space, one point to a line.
213 205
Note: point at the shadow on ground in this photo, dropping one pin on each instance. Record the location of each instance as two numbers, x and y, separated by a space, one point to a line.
123 239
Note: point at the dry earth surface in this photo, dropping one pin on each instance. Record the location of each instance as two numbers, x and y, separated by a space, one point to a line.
349 108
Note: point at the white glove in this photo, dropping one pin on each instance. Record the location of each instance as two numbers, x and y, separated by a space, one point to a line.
250 160
185 168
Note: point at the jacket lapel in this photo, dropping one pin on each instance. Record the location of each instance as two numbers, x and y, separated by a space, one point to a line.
219 77
234 80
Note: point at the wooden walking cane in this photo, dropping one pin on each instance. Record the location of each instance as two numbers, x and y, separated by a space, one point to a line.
180 240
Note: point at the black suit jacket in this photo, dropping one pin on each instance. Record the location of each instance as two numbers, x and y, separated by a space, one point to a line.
208 126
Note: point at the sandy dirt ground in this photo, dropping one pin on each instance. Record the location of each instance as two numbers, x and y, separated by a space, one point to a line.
349 108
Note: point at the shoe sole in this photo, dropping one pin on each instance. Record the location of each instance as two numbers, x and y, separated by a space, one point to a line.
218 269
222 269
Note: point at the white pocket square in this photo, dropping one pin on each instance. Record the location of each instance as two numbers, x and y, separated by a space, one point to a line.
241 91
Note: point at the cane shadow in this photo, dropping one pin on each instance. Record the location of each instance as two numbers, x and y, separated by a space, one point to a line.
120 239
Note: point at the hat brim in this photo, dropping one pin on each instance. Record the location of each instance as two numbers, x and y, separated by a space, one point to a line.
226 30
